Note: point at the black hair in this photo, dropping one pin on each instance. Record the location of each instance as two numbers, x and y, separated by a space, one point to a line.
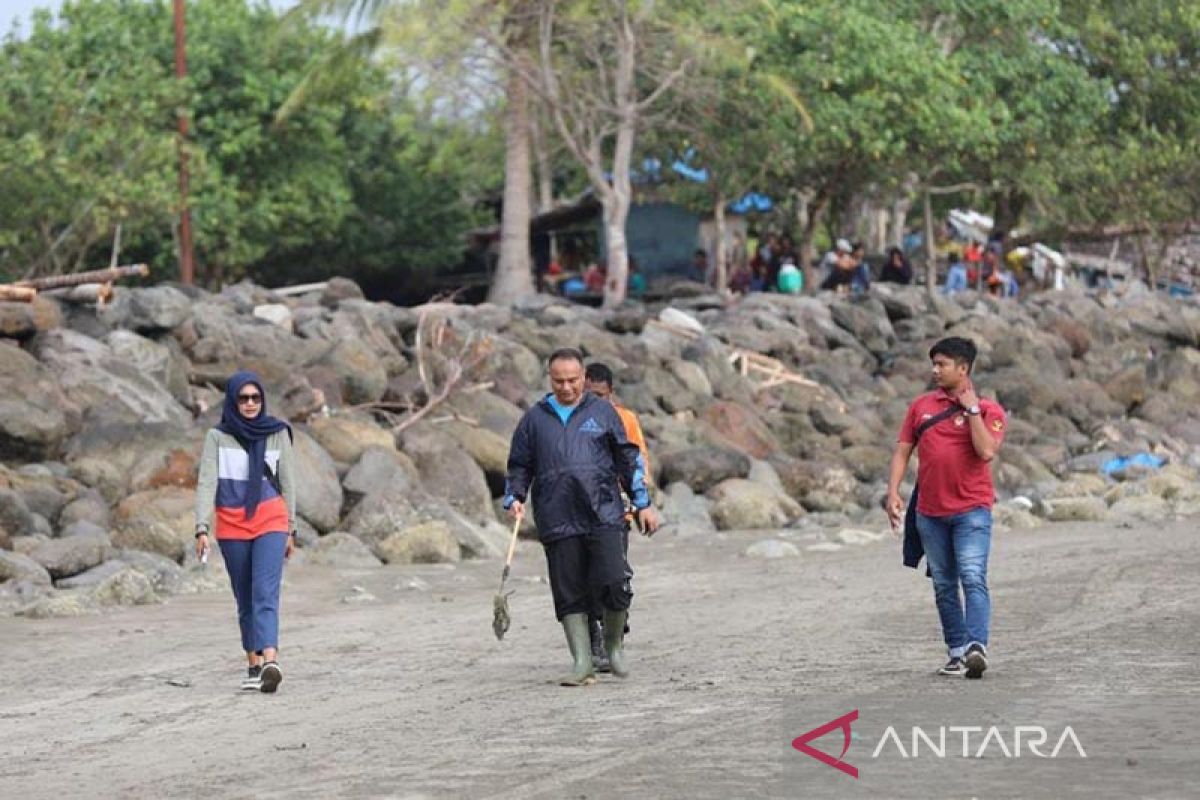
565 354
961 350
599 373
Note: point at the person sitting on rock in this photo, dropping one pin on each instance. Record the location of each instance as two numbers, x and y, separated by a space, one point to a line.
897 269
598 379
247 486
844 272
956 276
570 450
791 279
594 277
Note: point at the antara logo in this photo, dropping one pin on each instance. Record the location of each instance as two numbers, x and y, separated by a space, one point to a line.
843 723
993 741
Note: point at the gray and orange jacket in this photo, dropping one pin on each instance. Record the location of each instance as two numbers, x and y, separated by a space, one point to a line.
221 488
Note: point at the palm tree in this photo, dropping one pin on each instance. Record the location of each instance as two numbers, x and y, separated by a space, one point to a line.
470 25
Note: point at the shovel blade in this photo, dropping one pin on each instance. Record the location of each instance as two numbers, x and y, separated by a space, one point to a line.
500 618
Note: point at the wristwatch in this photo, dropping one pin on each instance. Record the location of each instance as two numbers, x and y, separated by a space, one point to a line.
973 411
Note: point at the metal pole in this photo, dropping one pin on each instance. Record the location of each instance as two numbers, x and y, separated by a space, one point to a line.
187 272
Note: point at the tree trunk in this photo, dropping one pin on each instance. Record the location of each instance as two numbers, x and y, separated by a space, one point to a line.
514 276
721 267
1007 215
815 211
900 209
620 194
930 246
616 202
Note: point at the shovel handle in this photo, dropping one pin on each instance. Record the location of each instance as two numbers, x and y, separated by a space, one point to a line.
512 544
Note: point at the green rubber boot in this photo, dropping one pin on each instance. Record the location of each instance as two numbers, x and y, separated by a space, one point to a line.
614 641
576 628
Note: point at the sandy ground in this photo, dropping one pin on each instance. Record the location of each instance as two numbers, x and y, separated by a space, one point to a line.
409 695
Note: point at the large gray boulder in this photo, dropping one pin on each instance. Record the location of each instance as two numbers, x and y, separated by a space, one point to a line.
165 363
120 457
818 485
318 491
159 521
103 384
378 516
72 555
47 498
342 551
345 436
128 587
374 325
165 575
427 543
18 567
158 308
15 517
88 506
702 468
1076 509
382 471
449 473
685 513
740 504
487 448
35 415
338 290
359 374
867 320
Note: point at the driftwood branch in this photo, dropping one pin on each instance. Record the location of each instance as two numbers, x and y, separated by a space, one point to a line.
17 294
432 335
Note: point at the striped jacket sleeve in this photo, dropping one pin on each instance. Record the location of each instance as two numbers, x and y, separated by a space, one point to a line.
287 476
206 483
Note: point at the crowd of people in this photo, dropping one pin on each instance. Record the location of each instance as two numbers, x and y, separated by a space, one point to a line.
773 264
772 267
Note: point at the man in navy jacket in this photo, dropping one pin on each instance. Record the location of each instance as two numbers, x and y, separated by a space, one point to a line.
571 457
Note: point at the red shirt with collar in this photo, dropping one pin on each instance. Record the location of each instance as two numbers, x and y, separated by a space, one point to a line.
952 478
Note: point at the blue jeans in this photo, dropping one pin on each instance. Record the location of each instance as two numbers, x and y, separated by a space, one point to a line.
255 569
956 549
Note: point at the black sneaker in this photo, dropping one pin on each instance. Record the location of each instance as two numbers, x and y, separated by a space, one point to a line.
271 677
954 668
253 680
976 661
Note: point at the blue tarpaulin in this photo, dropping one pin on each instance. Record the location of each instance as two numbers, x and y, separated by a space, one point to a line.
1144 460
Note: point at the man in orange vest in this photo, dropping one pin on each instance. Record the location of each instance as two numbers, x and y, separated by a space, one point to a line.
598 379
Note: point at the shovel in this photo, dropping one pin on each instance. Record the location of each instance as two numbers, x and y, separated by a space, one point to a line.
500 618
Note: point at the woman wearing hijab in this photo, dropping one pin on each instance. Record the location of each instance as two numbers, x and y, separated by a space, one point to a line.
247 488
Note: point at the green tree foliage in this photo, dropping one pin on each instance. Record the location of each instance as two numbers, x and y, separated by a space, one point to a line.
357 178
86 142
1140 166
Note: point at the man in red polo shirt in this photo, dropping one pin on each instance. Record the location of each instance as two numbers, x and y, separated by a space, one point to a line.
956 435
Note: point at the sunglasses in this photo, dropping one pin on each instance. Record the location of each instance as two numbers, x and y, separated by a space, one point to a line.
243 399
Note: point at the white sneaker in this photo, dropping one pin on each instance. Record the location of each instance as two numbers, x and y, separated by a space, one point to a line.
253 680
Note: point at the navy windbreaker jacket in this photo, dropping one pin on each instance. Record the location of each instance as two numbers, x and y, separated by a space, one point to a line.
576 470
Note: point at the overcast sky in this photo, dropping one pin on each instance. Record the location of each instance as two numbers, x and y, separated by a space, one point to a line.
12 9
21 9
